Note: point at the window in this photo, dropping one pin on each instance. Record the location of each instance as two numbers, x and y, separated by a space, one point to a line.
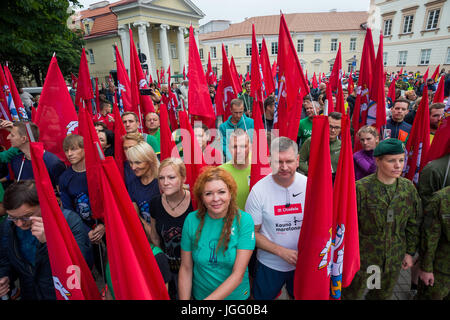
173 51
352 44
407 24
300 45
433 17
447 61
274 48
200 52
114 52
316 45
91 56
248 49
226 50
387 27
213 52
402 55
385 55
158 50
333 44
425 56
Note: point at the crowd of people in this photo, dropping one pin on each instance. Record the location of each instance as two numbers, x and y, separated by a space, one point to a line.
235 245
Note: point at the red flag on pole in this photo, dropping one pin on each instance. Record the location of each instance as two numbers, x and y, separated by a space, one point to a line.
391 93
336 72
184 72
123 85
199 100
329 98
119 132
439 94
169 76
425 76
340 103
315 85
418 140
4 109
56 116
209 72
350 85
441 142
97 97
312 279
344 263
84 85
168 147
256 87
436 73
228 88
274 70
74 80
71 275
93 154
247 77
268 77
138 276
376 113
236 77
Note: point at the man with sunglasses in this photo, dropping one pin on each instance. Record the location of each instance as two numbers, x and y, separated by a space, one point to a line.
23 245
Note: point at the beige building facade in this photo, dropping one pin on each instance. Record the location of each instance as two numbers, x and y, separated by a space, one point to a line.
159 28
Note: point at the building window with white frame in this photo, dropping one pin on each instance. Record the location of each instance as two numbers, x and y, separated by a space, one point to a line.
173 51
213 52
387 27
158 50
248 49
402 55
333 44
274 47
408 23
200 52
385 56
91 56
433 18
316 45
300 45
352 44
447 61
425 56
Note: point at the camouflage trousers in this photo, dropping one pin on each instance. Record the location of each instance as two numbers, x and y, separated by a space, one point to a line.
439 291
357 288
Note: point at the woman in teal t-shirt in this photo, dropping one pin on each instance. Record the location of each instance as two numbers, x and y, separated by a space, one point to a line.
216 243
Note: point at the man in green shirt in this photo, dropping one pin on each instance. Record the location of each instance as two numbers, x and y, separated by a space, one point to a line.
305 128
239 166
248 100
152 124
334 119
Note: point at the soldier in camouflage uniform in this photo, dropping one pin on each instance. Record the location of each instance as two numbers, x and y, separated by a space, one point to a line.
389 216
435 248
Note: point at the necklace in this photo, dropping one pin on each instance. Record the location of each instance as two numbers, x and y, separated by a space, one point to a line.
178 202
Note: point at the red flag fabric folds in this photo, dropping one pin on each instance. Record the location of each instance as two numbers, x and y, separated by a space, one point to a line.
312 278
71 275
439 94
228 89
336 72
168 147
84 85
268 78
123 84
441 142
119 132
391 93
435 74
56 116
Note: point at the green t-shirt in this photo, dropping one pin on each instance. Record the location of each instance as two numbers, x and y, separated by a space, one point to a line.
242 178
211 268
305 129
153 142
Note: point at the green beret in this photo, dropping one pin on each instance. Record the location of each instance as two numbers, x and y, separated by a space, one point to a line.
389 146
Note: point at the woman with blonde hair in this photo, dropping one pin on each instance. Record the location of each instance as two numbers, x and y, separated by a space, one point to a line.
363 159
141 181
168 212
217 242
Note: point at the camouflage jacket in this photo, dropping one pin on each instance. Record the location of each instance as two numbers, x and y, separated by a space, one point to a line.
388 228
431 178
435 242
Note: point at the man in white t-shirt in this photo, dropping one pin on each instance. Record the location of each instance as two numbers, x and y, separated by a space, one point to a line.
276 204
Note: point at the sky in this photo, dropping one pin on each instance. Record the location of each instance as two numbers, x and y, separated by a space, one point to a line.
238 10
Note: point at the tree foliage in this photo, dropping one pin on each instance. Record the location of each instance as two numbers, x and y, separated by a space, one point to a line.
32 30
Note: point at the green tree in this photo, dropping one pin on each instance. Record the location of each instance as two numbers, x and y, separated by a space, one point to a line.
32 30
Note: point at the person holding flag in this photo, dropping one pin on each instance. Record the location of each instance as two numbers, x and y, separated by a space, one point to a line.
23 245
276 204
389 218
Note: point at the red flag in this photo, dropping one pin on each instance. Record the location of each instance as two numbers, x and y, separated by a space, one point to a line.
141 103
92 151
123 85
159 78
97 97
329 98
119 132
199 100
228 88
340 103
247 77
274 70
435 73
346 263
425 76
391 93
269 83
350 85
256 88
4 109
378 109
84 85
15 95
136 277
74 80
439 94
236 77
56 116
169 76
168 147
401 70
320 78
336 72
71 275
315 85
441 142
312 279
418 140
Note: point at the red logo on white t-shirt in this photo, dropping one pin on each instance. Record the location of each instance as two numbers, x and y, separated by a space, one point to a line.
292 209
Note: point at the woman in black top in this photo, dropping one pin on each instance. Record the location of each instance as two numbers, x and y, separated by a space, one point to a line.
168 212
